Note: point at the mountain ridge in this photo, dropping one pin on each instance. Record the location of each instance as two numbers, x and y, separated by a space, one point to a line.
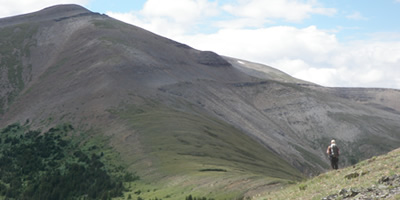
162 103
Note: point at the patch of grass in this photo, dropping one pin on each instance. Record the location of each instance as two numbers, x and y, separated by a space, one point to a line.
302 186
106 24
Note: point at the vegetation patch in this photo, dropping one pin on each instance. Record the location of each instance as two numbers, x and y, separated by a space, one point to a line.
106 24
190 197
53 165
213 170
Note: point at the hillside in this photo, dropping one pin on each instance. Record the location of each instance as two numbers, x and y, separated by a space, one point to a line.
374 178
188 122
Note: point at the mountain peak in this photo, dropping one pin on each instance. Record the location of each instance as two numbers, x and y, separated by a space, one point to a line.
49 13
64 9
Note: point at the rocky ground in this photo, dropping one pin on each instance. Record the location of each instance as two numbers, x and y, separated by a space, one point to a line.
387 187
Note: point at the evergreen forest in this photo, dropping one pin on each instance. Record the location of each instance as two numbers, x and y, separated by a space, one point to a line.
52 165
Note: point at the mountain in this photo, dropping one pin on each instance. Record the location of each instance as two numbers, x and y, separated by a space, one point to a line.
186 121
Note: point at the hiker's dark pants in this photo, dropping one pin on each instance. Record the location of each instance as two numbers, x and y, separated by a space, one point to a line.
334 162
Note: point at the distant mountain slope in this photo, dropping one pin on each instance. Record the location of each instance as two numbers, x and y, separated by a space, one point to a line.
263 72
180 117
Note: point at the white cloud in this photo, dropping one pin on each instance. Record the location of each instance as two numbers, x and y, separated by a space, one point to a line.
310 54
170 19
321 76
267 44
181 11
291 66
289 10
356 16
158 25
182 16
11 8
241 23
370 63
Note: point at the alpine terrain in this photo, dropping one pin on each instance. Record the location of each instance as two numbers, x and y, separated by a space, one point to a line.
131 114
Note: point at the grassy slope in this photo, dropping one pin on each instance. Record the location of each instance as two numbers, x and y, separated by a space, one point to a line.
320 186
193 154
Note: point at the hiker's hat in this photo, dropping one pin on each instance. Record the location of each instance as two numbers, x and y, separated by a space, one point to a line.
333 141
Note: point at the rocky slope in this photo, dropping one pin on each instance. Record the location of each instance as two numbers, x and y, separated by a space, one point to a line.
163 104
374 178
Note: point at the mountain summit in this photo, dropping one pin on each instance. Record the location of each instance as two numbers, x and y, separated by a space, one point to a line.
185 120
51 13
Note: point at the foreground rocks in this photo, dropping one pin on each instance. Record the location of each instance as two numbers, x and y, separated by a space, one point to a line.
387 187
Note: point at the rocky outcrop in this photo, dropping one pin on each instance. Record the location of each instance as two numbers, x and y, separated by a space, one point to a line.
211 59
387 187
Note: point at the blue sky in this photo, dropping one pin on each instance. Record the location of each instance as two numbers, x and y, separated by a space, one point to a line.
354 18
340 43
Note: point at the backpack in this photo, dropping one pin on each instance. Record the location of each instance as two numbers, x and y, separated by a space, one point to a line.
334 150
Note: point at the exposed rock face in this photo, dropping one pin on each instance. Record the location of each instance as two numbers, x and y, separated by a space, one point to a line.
211 59
75 65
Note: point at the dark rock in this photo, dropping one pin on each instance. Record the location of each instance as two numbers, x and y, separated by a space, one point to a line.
343 192
346 193
364 173
388 187
331 197
352 175
211 59
384 179
354 192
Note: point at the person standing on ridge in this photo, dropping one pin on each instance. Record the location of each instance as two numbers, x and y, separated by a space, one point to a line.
333 153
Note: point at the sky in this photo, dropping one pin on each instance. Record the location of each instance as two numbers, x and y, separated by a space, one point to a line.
334 43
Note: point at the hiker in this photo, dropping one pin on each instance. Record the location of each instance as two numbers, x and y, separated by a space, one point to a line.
333 152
